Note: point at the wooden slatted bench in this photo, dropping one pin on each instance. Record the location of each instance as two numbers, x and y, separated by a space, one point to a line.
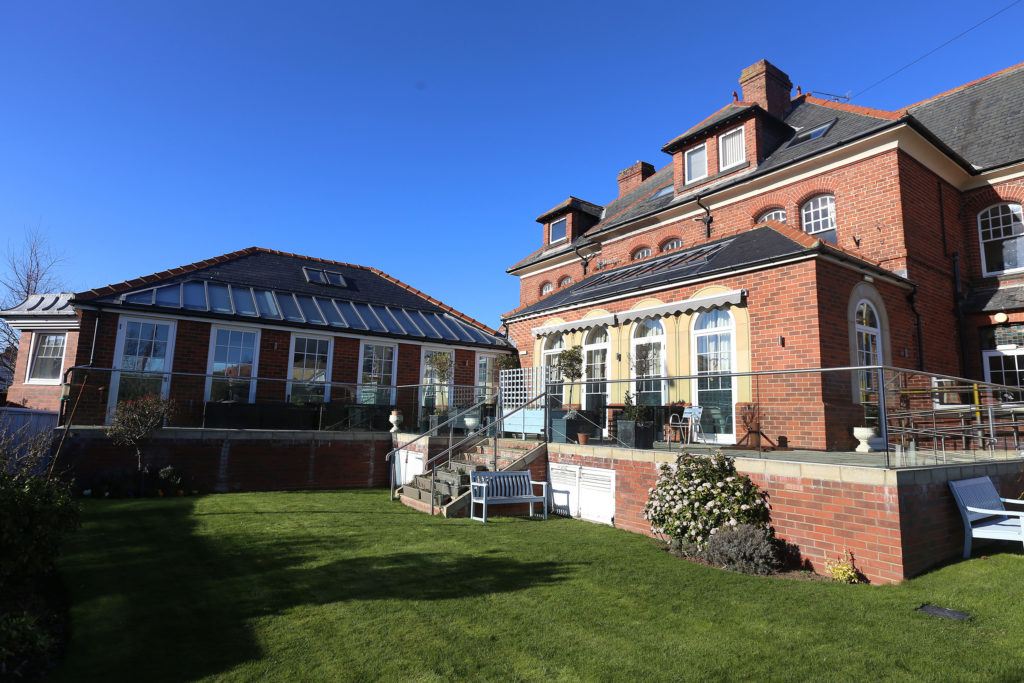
493 488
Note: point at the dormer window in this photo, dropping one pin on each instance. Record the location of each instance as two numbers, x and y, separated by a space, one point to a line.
324 277
558 230
730 149
696 163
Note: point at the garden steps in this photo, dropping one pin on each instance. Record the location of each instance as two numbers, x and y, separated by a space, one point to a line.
451 490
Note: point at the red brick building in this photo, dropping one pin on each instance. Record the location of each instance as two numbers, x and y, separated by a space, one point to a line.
794 232
255 338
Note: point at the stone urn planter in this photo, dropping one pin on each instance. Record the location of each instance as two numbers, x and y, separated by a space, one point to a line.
472 423
862 434
396 420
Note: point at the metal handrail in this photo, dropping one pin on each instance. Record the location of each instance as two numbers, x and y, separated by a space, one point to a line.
451 449
451 420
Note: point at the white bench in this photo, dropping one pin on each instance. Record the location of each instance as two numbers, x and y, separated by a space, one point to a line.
492 488
984 514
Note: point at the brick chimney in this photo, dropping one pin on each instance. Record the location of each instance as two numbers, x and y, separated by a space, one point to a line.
633 176
766 84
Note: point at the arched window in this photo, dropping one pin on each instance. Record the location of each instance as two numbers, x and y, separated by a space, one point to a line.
713 360
869 346
642 252
546 288
565 281
646 360
595 373
773 215
674 243
1001 229
818 217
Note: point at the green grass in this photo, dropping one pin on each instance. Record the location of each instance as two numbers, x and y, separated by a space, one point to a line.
347 585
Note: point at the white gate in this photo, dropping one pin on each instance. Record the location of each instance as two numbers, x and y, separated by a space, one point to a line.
584 492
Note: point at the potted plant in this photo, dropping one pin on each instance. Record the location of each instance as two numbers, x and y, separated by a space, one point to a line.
570 367
635 430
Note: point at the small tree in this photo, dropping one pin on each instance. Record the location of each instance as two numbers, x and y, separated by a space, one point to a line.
570 366
441 365
135 421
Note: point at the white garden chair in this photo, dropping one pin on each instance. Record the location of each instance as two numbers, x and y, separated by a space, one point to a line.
984 514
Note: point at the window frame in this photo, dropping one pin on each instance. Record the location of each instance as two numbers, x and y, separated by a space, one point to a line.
208 388
721 149
832 216
487 389
989 353
765 215
675 242
546 288
565 281
424 350
661 340
363 344
696 333
37 337
703 147
565 232
982 241
641 253
291 364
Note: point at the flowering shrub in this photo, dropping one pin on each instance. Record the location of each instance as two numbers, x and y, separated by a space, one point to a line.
700 494
843 569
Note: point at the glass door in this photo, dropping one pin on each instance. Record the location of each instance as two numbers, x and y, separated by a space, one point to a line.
142 360
712 343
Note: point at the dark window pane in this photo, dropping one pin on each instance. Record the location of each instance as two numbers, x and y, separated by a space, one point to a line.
195 296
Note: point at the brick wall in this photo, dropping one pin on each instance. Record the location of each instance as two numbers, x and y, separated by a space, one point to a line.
223 461
896 523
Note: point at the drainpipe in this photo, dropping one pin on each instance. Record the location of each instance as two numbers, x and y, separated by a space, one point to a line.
912 300
961 325
707 219
585 259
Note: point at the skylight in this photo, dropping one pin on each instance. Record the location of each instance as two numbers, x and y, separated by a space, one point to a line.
324 277
811 133
275 306
663 191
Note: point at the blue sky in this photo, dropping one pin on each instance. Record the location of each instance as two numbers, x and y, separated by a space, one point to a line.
420 138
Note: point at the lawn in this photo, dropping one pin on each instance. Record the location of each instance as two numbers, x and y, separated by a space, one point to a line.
345 585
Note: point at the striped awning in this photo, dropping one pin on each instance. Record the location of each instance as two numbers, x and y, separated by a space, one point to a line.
703 303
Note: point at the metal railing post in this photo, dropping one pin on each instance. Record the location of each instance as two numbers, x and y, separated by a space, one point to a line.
882 417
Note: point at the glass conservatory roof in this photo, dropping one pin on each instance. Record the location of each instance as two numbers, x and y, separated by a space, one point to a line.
202 296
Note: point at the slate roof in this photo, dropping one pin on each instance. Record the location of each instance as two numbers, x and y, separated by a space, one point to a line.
568 205
729 111
994 299
983 121
980 125
762 245
369 302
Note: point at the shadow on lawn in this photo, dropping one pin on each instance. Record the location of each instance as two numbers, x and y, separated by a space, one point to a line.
154 599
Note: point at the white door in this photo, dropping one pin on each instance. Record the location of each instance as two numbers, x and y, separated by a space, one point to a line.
597 494
408 464
565 489
584 492
142 359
